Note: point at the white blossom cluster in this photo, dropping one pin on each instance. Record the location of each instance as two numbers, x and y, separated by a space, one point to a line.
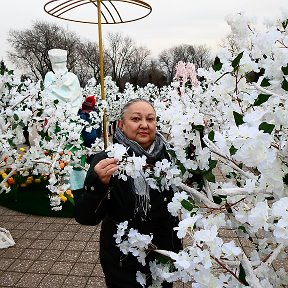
235 120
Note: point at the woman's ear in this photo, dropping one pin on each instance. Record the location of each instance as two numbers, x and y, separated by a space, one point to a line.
120 124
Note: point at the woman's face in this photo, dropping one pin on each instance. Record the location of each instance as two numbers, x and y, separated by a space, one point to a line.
139 123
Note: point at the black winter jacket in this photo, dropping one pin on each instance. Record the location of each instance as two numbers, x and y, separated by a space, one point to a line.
120 270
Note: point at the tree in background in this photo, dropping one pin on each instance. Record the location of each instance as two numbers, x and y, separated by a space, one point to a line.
124 61
88 65
30 47
137 65
119 52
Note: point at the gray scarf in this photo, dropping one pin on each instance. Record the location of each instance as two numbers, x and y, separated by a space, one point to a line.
139 185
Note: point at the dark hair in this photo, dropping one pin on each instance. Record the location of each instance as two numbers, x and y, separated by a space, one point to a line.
132 101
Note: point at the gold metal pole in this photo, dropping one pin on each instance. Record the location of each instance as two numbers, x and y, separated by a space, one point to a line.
105 135
61 8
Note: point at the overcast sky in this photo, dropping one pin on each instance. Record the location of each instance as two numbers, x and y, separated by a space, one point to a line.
172 22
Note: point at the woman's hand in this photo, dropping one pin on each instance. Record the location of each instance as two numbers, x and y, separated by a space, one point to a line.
105 168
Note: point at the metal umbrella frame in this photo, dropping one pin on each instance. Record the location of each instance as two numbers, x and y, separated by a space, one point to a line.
108 15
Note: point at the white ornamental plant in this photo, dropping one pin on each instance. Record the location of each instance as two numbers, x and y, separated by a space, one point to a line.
237 120
54 134
234 120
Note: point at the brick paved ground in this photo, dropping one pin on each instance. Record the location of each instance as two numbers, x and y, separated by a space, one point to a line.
50 252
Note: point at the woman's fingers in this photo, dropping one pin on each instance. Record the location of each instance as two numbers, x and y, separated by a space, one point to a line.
105 169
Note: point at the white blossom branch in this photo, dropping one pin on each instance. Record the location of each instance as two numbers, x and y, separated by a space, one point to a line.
261 89
199 196
240 191
42 161
251 278
272 256
16 104
56 156
208 190
226 160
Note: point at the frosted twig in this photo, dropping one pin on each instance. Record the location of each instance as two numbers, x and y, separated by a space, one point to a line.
208 189
240 191
199 196
258 87
272 256
251 278
227 161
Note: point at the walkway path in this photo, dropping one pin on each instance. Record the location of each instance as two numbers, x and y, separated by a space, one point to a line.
50 252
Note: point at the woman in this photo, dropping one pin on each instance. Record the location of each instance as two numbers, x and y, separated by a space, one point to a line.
132 200
88 106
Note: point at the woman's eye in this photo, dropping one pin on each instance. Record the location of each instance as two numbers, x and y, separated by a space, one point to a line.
135 119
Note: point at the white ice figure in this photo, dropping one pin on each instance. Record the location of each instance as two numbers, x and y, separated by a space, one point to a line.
6 239
61 84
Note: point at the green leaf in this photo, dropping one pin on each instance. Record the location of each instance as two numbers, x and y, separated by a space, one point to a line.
284 84
198 127
285 179
285 69
242 275
265 83
211 135
266 127
238 118
70 199
232 150
236 61
16 117
187 205
163 259
57 128
242 228
217 199
262 98
285 23
172 153
14 126
212 164
217 65
209 176
42 87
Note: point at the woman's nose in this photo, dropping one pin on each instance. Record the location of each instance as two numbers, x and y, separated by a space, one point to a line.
144 124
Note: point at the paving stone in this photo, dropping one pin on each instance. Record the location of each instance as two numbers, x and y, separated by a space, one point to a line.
12 252
82 269
58 244
65 235
32 254
96 282
61 268
10 278
46 235
69 255
5 263
30 280
20 265
40 266
50 254
53 280
77 245
41 243
88 257
75 281
31 234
